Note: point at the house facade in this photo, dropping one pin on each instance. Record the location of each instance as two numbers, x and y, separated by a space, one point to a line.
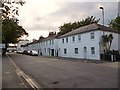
21 43
84 42
46 47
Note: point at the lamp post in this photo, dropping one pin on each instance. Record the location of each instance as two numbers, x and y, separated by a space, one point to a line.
103 16
102 13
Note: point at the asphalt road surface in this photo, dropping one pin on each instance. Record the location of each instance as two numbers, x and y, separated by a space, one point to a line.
58 73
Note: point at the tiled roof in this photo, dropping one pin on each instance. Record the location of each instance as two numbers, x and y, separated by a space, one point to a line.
41 40
87 28
48 38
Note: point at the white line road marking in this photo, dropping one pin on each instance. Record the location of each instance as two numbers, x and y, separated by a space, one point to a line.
30 81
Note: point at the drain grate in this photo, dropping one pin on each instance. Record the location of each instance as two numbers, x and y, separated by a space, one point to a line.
55 82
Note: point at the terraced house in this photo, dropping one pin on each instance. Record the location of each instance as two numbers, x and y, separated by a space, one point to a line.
84 42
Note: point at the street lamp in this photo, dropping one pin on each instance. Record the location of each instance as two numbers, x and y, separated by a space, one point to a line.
102 13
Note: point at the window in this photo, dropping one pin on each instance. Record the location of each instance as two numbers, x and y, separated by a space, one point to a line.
73 38
92 50
46 42
65 51
79 37
45 50
62 40
52 41
76 50
92 35
66 39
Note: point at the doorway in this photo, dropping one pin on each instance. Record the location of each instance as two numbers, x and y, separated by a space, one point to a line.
52 52
85 52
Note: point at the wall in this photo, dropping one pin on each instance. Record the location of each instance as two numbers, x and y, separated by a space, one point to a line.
84 42
19 48
115 42
47 46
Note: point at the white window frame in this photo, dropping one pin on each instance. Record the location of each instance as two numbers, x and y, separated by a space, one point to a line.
93 50
63 40
92 35
73 38
76 52
67 39
79 37
65 51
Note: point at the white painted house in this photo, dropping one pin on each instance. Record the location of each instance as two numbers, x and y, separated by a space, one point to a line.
84 42
47 46
21 43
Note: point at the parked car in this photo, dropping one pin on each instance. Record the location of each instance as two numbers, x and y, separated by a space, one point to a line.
28 52
19 52
34 53
25 52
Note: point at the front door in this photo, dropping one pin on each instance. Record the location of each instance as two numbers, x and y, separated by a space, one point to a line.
85 52
52 52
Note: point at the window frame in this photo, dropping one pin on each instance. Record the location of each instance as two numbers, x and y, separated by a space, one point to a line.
76 52
73 38
92 35
67 39
65 51
93 50
62 40
79 37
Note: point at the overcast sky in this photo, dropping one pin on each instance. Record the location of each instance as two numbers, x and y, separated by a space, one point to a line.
38 17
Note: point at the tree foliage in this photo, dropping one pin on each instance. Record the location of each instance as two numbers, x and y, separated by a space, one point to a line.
11 30
67 27
107 41
52 33
41 37
115 23
10 8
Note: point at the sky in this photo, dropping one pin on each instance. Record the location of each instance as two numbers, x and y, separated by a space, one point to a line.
39 17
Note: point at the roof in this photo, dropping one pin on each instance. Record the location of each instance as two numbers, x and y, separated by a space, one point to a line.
91 27
50 37
41 40
47 38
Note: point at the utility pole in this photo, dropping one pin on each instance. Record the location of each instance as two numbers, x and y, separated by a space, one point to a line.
102 16
102 13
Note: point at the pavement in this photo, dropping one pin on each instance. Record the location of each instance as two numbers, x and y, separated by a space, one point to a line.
10 78
58 73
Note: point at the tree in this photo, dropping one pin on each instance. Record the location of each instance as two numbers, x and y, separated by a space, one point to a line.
10 8
41 37
107 41
67 27
33 39
52 33
115 23
11 30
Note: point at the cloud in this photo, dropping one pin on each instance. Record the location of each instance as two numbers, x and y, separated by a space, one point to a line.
48 15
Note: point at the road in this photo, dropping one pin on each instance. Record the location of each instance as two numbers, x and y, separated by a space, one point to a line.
58 73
